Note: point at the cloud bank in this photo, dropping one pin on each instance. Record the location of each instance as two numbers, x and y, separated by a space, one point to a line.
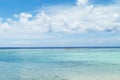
84 17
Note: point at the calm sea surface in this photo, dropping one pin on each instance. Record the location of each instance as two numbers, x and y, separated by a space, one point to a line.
60 64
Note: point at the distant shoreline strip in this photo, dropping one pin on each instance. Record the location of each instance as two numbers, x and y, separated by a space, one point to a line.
55 47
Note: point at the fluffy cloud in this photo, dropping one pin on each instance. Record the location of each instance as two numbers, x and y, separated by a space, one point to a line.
78 19
82 2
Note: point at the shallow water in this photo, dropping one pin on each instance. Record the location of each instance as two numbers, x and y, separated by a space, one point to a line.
60 64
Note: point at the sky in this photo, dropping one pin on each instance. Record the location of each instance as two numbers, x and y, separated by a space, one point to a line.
59 23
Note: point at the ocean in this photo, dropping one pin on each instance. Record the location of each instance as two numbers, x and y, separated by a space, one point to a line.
60 64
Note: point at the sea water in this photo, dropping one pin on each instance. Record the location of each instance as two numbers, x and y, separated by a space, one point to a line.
60 64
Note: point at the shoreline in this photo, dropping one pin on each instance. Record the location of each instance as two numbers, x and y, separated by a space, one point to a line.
58 47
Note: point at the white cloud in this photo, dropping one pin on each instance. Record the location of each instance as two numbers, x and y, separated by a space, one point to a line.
68 20
20 42
82 2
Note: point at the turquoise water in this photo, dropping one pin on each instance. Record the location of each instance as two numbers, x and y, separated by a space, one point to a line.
60 64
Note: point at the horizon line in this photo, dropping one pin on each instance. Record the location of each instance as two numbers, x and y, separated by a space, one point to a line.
58 47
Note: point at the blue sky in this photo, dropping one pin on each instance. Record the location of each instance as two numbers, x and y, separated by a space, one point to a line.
10 7
45 23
